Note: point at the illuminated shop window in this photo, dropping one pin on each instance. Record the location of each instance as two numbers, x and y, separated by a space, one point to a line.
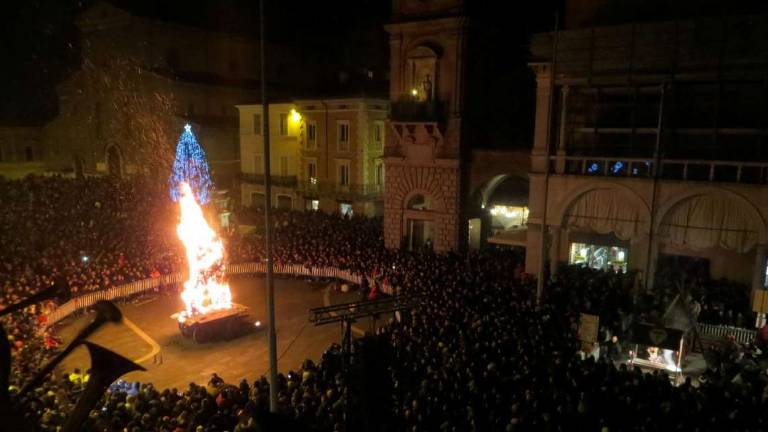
599 256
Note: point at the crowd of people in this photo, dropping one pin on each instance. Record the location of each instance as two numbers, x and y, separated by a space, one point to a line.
87 234
711 301
477 354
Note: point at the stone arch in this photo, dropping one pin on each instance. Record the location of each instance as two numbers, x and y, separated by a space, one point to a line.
486 191
709 206
433 199
577 192
424 48
438 223
418 202
419 181
623 212
483 193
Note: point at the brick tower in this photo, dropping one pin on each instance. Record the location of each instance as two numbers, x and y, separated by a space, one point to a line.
422 201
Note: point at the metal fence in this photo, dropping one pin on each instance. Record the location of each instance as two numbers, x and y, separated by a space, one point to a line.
123 291
742 335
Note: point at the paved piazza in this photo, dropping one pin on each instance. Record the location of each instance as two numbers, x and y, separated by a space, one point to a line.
149 333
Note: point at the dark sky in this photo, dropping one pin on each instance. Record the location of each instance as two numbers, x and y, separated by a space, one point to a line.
40 45
40 42
42 48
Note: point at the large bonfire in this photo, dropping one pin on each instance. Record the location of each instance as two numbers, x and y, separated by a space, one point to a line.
206 289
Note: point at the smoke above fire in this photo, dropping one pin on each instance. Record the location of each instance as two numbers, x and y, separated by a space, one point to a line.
206 288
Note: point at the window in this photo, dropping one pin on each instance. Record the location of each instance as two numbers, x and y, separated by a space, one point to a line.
344 174
28 154
284 202
313 204
311 135
283 124
602 257
312 171
345 209
342 135
257 200
257 124
283 166
258 164
379 174
378 133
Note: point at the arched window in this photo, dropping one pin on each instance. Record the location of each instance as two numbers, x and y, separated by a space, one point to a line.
418 202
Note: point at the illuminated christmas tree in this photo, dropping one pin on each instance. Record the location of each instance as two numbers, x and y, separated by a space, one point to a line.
190 166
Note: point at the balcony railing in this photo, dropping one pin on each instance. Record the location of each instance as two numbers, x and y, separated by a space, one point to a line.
415 111
282 181
671 169
351 191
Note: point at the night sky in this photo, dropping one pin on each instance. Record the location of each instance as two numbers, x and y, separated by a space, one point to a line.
40 42
41 46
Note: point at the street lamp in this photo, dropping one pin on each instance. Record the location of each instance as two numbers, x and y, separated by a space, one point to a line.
271 333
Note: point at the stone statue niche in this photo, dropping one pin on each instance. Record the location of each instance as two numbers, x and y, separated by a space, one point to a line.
422 67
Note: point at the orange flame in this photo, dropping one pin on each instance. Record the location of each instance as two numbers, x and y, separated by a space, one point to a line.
206 289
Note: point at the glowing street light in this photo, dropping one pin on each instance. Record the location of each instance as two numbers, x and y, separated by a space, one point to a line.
295 116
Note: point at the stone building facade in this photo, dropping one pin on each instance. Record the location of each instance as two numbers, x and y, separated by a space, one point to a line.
423 188
649 146
140 81
326 154
20 151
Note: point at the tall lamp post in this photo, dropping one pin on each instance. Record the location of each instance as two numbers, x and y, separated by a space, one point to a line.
272 335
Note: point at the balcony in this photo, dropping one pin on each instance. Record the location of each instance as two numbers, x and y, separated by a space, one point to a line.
415 111
671 169
350 192
280 181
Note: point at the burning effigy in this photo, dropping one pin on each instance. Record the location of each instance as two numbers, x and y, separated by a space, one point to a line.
206 289
208 309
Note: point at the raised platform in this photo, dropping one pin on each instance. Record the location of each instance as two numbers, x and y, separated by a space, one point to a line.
223 324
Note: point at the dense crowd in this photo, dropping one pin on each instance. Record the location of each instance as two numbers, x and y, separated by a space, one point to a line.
711 301
477 354
88 233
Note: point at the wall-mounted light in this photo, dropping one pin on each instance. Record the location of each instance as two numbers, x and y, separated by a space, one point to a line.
295 116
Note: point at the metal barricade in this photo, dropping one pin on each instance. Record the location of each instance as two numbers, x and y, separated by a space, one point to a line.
742 335
121 291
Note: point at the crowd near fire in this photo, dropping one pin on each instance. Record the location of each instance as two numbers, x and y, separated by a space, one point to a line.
592 256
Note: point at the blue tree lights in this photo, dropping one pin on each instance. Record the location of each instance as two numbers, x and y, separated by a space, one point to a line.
190 166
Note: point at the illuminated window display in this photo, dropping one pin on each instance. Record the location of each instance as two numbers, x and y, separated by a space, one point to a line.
599 256
508 217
